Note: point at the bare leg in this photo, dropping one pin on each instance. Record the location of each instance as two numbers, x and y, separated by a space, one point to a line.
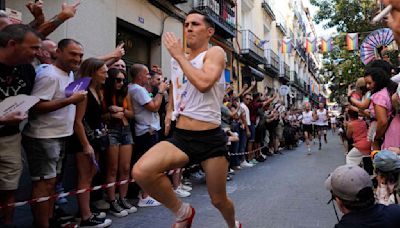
125 154
86 171
149 173
112 168
7 197
40 211
216 171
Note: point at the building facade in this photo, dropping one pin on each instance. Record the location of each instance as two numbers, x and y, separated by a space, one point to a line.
250 31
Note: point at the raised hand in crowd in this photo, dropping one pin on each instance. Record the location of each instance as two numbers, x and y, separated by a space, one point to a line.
393 20
68 11
36 9
13 118
163 87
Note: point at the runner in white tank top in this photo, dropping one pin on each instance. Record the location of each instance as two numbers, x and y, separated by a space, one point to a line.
307 121
321 117
195 103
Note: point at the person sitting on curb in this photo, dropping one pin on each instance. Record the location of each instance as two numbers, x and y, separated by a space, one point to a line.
352 190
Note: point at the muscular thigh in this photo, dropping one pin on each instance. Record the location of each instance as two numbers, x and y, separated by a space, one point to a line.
162 157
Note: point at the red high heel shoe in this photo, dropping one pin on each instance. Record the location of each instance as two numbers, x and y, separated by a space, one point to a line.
187 220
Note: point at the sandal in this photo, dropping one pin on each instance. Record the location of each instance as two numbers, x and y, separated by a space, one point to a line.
187 220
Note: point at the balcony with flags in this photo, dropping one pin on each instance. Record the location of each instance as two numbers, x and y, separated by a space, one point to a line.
252 48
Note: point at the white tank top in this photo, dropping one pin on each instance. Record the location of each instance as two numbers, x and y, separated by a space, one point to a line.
189 101
322 120
307 118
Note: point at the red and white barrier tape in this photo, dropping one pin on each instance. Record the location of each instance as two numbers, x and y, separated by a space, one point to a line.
95 188
62 195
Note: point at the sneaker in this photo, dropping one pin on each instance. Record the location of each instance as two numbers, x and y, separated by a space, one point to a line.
186 182
148 202
94 221
187 220
238 224
101 205
117 210
253 162
245 164
179 192
263 156
228 177
197 176
124 203
231 171
186 187
99 214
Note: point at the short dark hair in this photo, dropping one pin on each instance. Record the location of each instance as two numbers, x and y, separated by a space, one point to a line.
365 199
352 114
16 32
135 70
207 19
65 42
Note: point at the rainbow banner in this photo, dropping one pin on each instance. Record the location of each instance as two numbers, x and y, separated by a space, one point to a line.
286 46
326 45
352 41
311 45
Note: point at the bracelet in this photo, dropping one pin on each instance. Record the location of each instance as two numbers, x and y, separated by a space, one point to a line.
161 93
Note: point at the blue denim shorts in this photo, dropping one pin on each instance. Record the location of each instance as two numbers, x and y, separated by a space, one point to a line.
120 135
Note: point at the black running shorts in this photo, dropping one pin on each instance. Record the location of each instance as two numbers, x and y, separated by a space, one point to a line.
308 128
200 145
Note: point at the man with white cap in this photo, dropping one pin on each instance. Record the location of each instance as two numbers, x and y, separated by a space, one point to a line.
352 189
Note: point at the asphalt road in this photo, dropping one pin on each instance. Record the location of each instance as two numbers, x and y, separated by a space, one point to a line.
285 191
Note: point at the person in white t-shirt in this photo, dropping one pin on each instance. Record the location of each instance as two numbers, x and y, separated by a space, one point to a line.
321 116
51 122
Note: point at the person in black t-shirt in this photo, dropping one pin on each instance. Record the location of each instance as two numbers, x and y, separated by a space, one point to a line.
19 44
351 189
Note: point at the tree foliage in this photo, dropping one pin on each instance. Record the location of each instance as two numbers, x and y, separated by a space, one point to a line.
347 16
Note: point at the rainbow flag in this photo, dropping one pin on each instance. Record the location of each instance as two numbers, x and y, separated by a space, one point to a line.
352 41
311 45
326 45
286 46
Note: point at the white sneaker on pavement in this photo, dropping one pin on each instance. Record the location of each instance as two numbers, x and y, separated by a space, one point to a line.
245 164
179 192
148 202
186 187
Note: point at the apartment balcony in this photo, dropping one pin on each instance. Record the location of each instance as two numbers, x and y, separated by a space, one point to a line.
281 26
267 6
223 15
272 62
284 71
296 81
251 48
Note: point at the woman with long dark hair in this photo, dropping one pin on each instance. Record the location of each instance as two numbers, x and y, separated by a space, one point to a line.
117 111
382 89
92 138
